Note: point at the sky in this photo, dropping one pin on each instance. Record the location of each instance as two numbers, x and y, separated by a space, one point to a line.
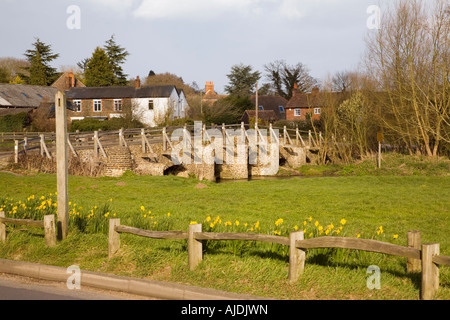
198 40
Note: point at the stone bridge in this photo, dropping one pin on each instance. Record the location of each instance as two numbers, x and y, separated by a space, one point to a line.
226 152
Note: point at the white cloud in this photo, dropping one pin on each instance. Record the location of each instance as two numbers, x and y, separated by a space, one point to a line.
161 9
291 9
116 5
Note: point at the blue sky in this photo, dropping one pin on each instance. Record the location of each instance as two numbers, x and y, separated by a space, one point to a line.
198 40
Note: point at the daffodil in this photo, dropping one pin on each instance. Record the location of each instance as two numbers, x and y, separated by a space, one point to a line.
343 221
395 236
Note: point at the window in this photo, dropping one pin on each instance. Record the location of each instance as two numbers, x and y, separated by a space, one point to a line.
150 104
39 95
260 108
77 105
97 105
297 112
281 108
117 104
24 94
316 110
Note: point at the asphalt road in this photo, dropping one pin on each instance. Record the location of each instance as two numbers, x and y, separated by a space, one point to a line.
21 288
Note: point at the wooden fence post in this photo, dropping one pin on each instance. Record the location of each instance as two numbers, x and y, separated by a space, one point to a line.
430 271
413 241
16 151
195 246
49 230
144 149
62 156
113 238
164 139
296 257
2 228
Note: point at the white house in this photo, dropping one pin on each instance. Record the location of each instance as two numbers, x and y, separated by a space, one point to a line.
151 105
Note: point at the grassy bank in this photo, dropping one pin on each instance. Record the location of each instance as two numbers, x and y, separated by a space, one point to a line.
356 205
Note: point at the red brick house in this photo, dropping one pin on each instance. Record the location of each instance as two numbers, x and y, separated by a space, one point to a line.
303 105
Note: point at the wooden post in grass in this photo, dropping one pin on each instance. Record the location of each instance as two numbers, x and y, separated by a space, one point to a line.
430 271
49 230
62 165
413 241
2 228
194 246
296 257
113 238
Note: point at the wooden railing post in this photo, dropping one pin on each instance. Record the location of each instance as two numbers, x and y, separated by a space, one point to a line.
195 246
113 237
2 228
96 144
296 257
144 149
413 241
16 151
164 139
430 271
49 230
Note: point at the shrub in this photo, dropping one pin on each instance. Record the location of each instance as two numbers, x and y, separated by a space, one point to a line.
14 122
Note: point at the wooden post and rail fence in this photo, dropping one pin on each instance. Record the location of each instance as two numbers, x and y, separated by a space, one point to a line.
423 258
48 224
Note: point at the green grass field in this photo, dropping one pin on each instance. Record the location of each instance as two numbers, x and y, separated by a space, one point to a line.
397 203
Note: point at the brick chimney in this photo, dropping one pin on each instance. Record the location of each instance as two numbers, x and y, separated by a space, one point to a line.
295 90
137 83
69 81
315 90
209 86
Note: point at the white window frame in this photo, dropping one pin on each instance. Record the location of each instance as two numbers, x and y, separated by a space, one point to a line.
117 105
316 110
95 105
297 112
77 104
152 103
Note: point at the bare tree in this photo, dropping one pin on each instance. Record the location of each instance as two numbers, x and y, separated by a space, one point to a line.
408 57
283 77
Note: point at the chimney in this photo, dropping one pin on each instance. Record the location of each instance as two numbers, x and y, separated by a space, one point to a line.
137 83
69 81
295 90
209 86
315 90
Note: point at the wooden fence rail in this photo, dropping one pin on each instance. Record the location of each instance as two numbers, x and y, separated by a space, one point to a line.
420 256
48 224
99 140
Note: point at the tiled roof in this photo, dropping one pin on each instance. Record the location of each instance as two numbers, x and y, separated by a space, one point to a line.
120 92
25 96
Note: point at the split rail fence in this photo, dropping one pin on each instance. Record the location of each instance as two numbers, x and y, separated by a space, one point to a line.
424 258
48 224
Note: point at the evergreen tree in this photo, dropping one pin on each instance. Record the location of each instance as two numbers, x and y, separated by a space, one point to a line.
99 71
41 73
117 56
242 80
